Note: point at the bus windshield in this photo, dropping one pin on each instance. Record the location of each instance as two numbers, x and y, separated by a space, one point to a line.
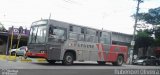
37 34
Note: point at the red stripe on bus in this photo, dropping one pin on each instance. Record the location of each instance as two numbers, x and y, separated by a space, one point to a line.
104 53
99 52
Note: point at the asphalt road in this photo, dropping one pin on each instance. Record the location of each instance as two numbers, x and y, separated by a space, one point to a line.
87 68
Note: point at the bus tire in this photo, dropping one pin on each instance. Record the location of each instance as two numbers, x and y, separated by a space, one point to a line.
119 61
68 59
51 61
101 62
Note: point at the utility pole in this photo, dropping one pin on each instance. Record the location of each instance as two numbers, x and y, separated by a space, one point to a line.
134 32
136 18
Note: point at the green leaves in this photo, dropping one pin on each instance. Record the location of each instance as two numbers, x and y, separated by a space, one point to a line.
151 17
143 39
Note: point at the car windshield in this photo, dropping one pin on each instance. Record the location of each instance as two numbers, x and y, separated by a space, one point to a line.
22 48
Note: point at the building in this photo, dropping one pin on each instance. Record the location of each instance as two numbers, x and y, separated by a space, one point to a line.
121 38
6 40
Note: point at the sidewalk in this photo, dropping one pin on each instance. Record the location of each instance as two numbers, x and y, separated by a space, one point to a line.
38 60
20 59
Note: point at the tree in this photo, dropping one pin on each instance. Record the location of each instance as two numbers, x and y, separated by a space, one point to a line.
152 17
157 36
143 40
2 29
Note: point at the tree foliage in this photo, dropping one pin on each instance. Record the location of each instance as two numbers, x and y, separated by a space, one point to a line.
151 17
143 40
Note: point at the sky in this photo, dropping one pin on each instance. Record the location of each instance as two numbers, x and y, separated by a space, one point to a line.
112 15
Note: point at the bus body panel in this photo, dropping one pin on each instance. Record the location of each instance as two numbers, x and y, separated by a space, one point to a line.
116 50
54 51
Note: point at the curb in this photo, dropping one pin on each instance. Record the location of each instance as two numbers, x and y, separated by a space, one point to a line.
2 57
21 59
10 58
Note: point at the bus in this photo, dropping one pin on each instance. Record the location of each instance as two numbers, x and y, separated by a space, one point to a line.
60 41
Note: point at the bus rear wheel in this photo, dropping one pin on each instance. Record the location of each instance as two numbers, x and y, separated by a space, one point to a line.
119 61
68 59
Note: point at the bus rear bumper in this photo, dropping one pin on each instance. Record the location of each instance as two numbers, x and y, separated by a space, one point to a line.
36 55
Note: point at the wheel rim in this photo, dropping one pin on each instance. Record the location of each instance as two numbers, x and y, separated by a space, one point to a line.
120 60
144 63
69 59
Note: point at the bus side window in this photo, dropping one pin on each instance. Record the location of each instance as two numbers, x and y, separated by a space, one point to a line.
74 32
81 35
91 35
73 36
82 30
105 37
100 34
70 28
50 30
96 33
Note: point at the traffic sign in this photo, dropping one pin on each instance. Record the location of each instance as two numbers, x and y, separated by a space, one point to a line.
132 43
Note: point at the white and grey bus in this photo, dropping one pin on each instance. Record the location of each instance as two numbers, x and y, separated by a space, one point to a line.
66 42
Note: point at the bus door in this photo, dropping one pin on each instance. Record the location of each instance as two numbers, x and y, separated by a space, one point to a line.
56 39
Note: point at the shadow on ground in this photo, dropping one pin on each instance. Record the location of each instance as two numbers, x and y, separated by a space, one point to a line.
75 64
